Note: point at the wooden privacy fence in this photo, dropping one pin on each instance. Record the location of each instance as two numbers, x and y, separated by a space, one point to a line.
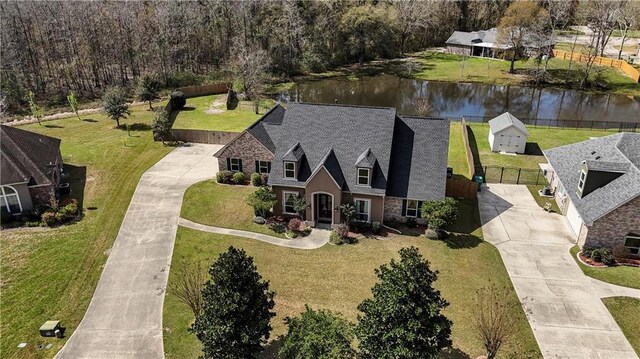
601 61
203 136
462 187
204 90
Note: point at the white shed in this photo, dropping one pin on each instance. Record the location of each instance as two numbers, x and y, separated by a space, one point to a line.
507 134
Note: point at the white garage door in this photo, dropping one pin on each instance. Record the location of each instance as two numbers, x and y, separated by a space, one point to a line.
575 221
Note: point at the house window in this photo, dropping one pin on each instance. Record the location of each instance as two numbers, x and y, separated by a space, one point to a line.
288 201
289 170
263 166
9 200
363 209
412 208
632 242
364 178
235 165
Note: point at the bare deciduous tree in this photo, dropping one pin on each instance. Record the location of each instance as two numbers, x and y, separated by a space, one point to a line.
189 279
493 318
423 106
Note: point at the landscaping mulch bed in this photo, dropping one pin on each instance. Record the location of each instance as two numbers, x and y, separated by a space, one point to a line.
622 261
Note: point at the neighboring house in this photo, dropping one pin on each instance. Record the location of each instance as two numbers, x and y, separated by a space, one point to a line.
485 44
31 165
385 164
597 185
507 134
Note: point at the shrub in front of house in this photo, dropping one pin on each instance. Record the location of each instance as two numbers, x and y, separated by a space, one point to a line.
295 225
334 238
224 177
238 178
411 222
277 226
600 254
66 212
256 179
360 226
264 177
376 227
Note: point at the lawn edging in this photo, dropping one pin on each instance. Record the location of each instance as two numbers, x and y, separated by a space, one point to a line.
624 276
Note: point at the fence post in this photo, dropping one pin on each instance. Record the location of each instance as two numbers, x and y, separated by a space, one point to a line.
501 173
518 180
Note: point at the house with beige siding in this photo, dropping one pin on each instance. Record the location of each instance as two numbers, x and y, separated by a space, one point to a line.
597 186
31 165
383 163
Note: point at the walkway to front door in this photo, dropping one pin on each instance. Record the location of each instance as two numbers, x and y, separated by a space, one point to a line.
323 209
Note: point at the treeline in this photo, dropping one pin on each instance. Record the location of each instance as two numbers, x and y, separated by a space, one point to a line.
52 48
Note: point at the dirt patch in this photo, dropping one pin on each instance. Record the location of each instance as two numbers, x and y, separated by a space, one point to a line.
213 111
216 106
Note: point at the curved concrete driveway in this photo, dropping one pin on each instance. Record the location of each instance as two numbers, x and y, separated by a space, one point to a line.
562 305
124 319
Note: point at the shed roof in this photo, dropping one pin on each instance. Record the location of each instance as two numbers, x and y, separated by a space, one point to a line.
505 121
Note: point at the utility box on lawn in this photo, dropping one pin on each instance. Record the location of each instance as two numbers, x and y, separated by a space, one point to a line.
52 328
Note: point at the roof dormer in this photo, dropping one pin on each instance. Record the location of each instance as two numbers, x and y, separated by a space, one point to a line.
364 168
595 174
291 162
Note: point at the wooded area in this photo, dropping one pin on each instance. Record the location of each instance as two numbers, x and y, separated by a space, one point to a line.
52 48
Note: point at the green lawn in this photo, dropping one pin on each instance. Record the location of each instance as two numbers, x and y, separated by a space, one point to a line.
52 273
630 33
449 67
457 153
625 311
621 275
222 205
544 138
339 277
210 113
543 200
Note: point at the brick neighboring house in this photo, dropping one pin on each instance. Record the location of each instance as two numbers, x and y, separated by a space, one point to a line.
385 164
31 165
597 186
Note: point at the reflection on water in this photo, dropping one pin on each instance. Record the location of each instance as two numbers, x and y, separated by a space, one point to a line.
455 99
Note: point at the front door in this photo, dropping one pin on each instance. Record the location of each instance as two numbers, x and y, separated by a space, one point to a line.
324 208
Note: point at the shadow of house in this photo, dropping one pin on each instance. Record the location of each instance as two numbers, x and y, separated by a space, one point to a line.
76 176
532 148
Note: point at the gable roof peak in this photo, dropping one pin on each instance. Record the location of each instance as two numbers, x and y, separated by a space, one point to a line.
294 154
506 120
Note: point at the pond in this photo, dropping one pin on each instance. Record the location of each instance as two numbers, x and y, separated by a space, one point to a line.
450 99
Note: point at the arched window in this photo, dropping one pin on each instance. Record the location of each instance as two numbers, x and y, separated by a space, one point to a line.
9 200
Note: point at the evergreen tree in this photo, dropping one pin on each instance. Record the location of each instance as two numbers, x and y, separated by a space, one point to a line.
115 104
404 318
237 308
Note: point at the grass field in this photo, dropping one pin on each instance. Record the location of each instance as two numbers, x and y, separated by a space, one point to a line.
621 275
457 153
449 67
542 138
221 205
52 273
340 277
210 113
630 33
626 312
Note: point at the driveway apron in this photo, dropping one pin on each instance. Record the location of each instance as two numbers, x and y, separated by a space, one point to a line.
563 306
124 318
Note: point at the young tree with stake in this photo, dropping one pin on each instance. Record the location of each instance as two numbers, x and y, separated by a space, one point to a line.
73 103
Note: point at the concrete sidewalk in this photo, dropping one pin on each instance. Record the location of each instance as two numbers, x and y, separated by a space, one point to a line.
124 318
316 239
562 305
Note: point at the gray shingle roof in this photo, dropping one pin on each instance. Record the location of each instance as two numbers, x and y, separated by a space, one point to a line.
419 158
486 38
295 153
341 138
25 156
507 120
613 151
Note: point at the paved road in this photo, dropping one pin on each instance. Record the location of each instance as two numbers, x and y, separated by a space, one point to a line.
563 305
316 239
124 319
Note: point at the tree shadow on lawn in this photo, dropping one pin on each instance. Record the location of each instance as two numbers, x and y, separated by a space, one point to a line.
137 126
271 349
89 120
53 126
454 353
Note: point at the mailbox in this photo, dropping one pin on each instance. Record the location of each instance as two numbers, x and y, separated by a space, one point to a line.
52 328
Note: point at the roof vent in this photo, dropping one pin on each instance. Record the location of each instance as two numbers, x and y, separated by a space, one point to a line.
593 152
598 157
